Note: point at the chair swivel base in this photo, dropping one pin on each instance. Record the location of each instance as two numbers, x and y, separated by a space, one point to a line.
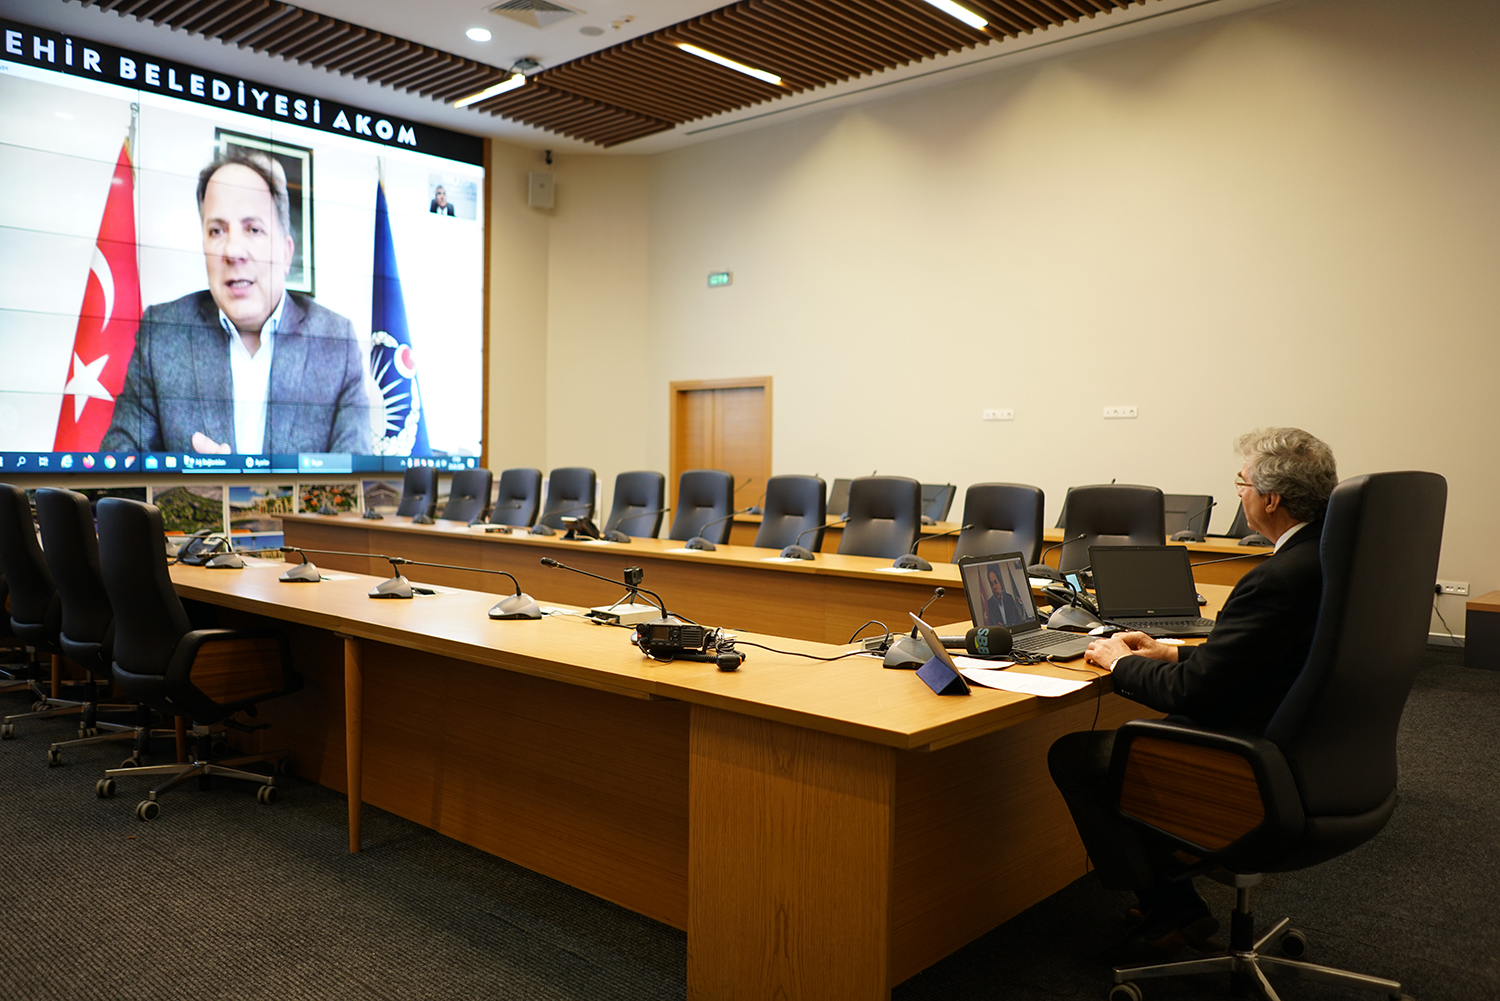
1246 963
203 770
113 732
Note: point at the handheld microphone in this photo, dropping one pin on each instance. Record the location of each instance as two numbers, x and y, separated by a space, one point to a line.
797 551
543 529
516 606
615 535
985 641
1040 567
911 561
1188 534
699 542
631 583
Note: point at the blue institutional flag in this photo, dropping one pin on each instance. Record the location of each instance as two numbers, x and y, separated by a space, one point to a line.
391 360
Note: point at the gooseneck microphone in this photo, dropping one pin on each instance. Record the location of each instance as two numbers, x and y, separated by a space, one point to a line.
908 651
615 535
306 573
1040 567
1188 534
516 606
797 551
911 561
699 542
631 583
543 529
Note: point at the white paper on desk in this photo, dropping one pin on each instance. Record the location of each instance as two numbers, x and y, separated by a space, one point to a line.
337 576
1012 681
781 559
260 562
684 549
896 570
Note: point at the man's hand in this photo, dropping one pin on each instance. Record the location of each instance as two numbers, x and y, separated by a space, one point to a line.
205 445
1104 652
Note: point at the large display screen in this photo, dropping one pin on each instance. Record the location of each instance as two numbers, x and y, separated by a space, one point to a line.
203 273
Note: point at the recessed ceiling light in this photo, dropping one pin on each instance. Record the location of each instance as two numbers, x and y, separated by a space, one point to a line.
591 30
479 34
714 57
964 14
509 83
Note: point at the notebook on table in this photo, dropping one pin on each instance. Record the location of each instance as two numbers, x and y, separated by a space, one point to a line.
1016 611
1148 588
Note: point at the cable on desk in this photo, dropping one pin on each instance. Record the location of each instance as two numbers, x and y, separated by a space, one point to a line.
872 622
809 656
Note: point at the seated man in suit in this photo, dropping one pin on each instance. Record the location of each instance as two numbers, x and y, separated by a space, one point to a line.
1000 606
244 366
1235 680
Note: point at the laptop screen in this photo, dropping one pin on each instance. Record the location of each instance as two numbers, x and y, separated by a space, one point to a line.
998 591
1132 581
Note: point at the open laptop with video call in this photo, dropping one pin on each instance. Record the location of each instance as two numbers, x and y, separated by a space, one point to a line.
1148 588
1010 605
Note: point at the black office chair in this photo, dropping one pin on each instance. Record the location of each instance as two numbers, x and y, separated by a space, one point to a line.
518 498
15 675
570 494
1322 778
1001 518
795 508
1187 516
638 505
206 675
88 620
468 495
937 501
36 612
1111 514
419 493
703 496
885 517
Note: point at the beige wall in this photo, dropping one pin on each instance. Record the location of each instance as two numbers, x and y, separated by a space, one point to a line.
1286 216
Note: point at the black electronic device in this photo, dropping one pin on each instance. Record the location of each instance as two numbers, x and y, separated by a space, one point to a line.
699 542
1040 567
581 527
797 551
541 528
202 546
911 561
615 535
1013 608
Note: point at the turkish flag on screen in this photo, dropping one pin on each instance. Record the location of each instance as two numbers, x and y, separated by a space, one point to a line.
107 322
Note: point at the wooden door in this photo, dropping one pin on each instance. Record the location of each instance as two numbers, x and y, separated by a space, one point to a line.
723 424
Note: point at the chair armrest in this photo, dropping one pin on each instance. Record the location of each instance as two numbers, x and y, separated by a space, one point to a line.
235 666
1224 797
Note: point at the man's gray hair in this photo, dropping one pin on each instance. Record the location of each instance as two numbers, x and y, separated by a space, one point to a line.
269 171
1292 463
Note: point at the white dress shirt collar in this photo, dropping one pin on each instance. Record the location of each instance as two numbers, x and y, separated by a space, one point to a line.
1288 534
251 378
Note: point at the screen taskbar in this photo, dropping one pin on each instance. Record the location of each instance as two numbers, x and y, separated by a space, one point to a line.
304 463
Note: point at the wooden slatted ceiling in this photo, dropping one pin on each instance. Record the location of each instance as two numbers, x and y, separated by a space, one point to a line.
643 86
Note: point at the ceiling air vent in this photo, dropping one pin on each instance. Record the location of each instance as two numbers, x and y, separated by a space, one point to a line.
537 13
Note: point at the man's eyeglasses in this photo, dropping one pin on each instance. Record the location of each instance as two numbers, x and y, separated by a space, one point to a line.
1239 482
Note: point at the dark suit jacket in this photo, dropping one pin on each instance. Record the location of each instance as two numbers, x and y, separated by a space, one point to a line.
179 382
440 209
1001 608
1239 676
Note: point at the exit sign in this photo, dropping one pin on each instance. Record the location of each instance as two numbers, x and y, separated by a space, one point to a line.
720 278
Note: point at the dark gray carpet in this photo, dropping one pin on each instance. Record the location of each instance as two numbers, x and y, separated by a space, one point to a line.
223 898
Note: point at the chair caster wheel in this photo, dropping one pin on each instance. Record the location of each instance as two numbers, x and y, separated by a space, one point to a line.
104 788
38 706
7 731
1293 944
284 765
147 809
266 794
54 756
1125 992
131 763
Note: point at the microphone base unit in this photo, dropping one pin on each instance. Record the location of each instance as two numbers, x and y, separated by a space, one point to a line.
302 573
797 553
615 535
516 606
1044 571
700 543
625 615
397 587
542 530
910 561
372 515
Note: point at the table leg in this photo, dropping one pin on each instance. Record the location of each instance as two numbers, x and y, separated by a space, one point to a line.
354 733
790 852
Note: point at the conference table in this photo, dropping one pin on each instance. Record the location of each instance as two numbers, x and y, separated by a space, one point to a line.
818 829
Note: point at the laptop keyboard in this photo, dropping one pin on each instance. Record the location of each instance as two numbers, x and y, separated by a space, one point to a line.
1042 640
1168 627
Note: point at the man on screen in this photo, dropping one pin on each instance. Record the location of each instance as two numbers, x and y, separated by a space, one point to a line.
440 203
244 366
1000 606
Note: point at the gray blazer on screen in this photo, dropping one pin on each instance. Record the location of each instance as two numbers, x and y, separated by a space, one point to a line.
179 382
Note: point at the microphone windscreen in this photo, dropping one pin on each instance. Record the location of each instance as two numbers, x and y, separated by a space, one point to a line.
987 641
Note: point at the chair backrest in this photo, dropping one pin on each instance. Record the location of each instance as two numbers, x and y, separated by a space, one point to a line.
838 497
418 492
149 617
1111 514
794 506
1337 725
885 517
570 494
703 495
937 500
468 495
1005 518
72 551
1187 512
518 498
35 609
637 506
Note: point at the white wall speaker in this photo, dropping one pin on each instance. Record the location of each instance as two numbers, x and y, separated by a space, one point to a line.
539 190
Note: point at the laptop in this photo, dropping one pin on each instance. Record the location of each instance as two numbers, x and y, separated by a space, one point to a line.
1149 588
1015 609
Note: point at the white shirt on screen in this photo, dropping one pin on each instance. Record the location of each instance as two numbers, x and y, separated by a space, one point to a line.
251 377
